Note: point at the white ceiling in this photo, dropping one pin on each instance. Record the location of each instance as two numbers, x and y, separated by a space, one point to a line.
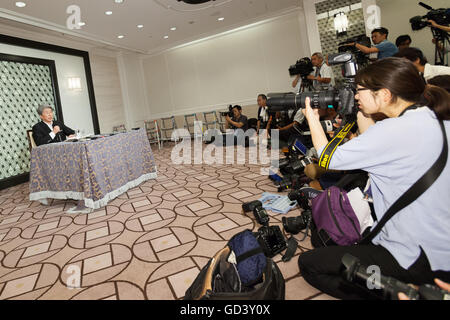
193 22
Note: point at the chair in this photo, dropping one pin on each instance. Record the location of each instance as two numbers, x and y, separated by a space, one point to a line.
168 126
222 122
210 120
152 129
31 142
190 124
119 129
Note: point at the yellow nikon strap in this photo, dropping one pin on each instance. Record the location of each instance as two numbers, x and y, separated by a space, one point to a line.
330 149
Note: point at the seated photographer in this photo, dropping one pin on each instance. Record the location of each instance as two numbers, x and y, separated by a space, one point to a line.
421 63
413 246
403 42
383 47
323 78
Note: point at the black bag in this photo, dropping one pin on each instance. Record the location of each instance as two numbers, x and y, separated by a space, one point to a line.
219 279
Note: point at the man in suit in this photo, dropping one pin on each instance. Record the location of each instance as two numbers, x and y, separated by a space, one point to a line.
49 131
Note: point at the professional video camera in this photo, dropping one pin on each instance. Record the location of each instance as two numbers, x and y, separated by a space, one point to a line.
440 16
228 113
342 100
302 67
361 57
389 287
270 238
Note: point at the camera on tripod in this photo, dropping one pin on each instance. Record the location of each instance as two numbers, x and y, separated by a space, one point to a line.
302 67
440 16
389 288
361 57
270 238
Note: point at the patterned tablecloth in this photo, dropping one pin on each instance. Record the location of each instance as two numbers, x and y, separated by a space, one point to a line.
95 171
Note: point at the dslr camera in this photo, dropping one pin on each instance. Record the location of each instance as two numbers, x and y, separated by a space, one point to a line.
270 238
342 100
361 57
389 288
228 113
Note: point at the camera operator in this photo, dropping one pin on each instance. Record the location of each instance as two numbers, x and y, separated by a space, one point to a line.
421 63
383 47
239 121
323 77
413 246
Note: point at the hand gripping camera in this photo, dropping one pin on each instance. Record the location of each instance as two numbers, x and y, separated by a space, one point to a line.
390 288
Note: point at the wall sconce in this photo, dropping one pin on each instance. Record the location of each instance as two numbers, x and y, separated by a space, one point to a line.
340 24
74 84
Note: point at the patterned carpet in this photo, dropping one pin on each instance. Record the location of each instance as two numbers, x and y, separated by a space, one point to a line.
149 243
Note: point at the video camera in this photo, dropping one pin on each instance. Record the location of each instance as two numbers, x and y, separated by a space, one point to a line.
302 67
270 238
440 16
342 100
390 288
361 57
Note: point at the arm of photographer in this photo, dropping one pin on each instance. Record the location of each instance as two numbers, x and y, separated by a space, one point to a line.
364 49
358 153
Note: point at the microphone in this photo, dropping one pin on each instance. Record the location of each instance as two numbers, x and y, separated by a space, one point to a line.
425 6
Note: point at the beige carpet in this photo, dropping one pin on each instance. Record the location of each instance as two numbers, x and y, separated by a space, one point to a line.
149 243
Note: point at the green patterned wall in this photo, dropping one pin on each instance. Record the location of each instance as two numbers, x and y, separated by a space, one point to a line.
23 87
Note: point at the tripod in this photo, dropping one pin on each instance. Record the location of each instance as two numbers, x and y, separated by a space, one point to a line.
442 41
307 85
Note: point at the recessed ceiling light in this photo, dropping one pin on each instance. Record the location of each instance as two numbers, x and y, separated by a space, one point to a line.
166 37
173 28
81 24
221 19
118 1
140 26
121 36
108 13
20 4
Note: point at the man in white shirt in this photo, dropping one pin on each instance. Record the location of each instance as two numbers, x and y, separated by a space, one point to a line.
427 70
323 78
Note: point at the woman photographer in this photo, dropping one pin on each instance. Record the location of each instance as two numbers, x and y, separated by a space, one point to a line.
414 246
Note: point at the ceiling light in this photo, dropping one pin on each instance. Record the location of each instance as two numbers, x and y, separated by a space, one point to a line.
81 24
20 4
173 28
140 26
121 36
108 13
221 19
166 37
118 1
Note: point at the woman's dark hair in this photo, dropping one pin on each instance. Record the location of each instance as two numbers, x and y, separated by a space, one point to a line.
412 54
441 81
401 78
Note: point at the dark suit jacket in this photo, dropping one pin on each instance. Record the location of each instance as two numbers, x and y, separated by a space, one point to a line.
41 133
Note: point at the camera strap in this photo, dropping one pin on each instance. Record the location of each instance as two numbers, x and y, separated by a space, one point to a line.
291 248
330 149
422 185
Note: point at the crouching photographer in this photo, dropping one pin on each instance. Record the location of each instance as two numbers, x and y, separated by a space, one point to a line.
406 156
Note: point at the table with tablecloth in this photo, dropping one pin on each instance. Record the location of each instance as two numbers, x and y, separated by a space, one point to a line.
96 171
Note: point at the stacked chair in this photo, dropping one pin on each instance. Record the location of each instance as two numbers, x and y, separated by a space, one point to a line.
153 134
